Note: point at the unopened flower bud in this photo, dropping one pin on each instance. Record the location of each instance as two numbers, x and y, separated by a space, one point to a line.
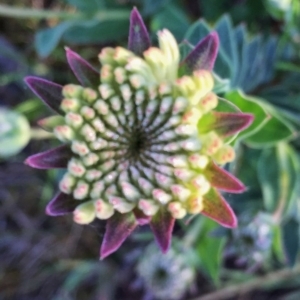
84 213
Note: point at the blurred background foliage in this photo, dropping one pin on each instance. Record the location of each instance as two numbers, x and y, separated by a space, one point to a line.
257 70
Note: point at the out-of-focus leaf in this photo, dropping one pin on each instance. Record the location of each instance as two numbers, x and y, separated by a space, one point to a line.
227 41
210 249
89 6
14 133
197 32
277 244
96 31
251 105
277 173
173 18
291 240
47 39
80 32
185 48
31 109
285 95
221 85
152 6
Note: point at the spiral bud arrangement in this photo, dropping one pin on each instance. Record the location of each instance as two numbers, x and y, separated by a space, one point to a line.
134 140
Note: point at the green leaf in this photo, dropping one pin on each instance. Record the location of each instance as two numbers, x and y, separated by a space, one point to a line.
277 173
277 129
96 31
47 39
88 6
210 249
291 240
14 133
251 105
227 42
221 85
277 244
185 48
173 18
197 32
150 7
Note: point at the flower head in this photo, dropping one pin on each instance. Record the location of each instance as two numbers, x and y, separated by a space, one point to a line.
142 144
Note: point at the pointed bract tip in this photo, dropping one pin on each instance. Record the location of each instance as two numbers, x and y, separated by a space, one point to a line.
118 228
55 158
86 74
204 54
138 39
49 92
162 225
61 204
216 208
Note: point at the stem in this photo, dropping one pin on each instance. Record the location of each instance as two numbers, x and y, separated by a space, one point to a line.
283 182
40 134
241 289
23 13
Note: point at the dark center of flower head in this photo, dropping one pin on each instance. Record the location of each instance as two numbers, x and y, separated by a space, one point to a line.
135 139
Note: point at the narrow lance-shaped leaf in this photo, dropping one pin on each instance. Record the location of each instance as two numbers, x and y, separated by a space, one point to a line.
223 180
225 124
48 91
204 55
84 72
118 228
138 40
61 204
216 208
162 226
51 159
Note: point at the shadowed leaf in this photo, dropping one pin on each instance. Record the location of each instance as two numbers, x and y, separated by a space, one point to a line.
204 55
56 158
138 40
61 204
84 72
162 226
48 91
221 179
216 208
118 228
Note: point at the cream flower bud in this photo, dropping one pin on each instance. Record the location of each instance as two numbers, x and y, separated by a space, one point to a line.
84 213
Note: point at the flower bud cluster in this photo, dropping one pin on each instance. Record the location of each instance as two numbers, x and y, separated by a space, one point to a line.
135 139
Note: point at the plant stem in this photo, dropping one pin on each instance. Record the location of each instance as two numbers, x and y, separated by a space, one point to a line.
26 13
23 13
241 289
40 134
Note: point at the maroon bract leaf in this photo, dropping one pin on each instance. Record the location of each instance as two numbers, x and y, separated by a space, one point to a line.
84 72
139 39
204 55
231 123
162 226
141 218
223 180
216 208
48 91
61 204
118 228
56 158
